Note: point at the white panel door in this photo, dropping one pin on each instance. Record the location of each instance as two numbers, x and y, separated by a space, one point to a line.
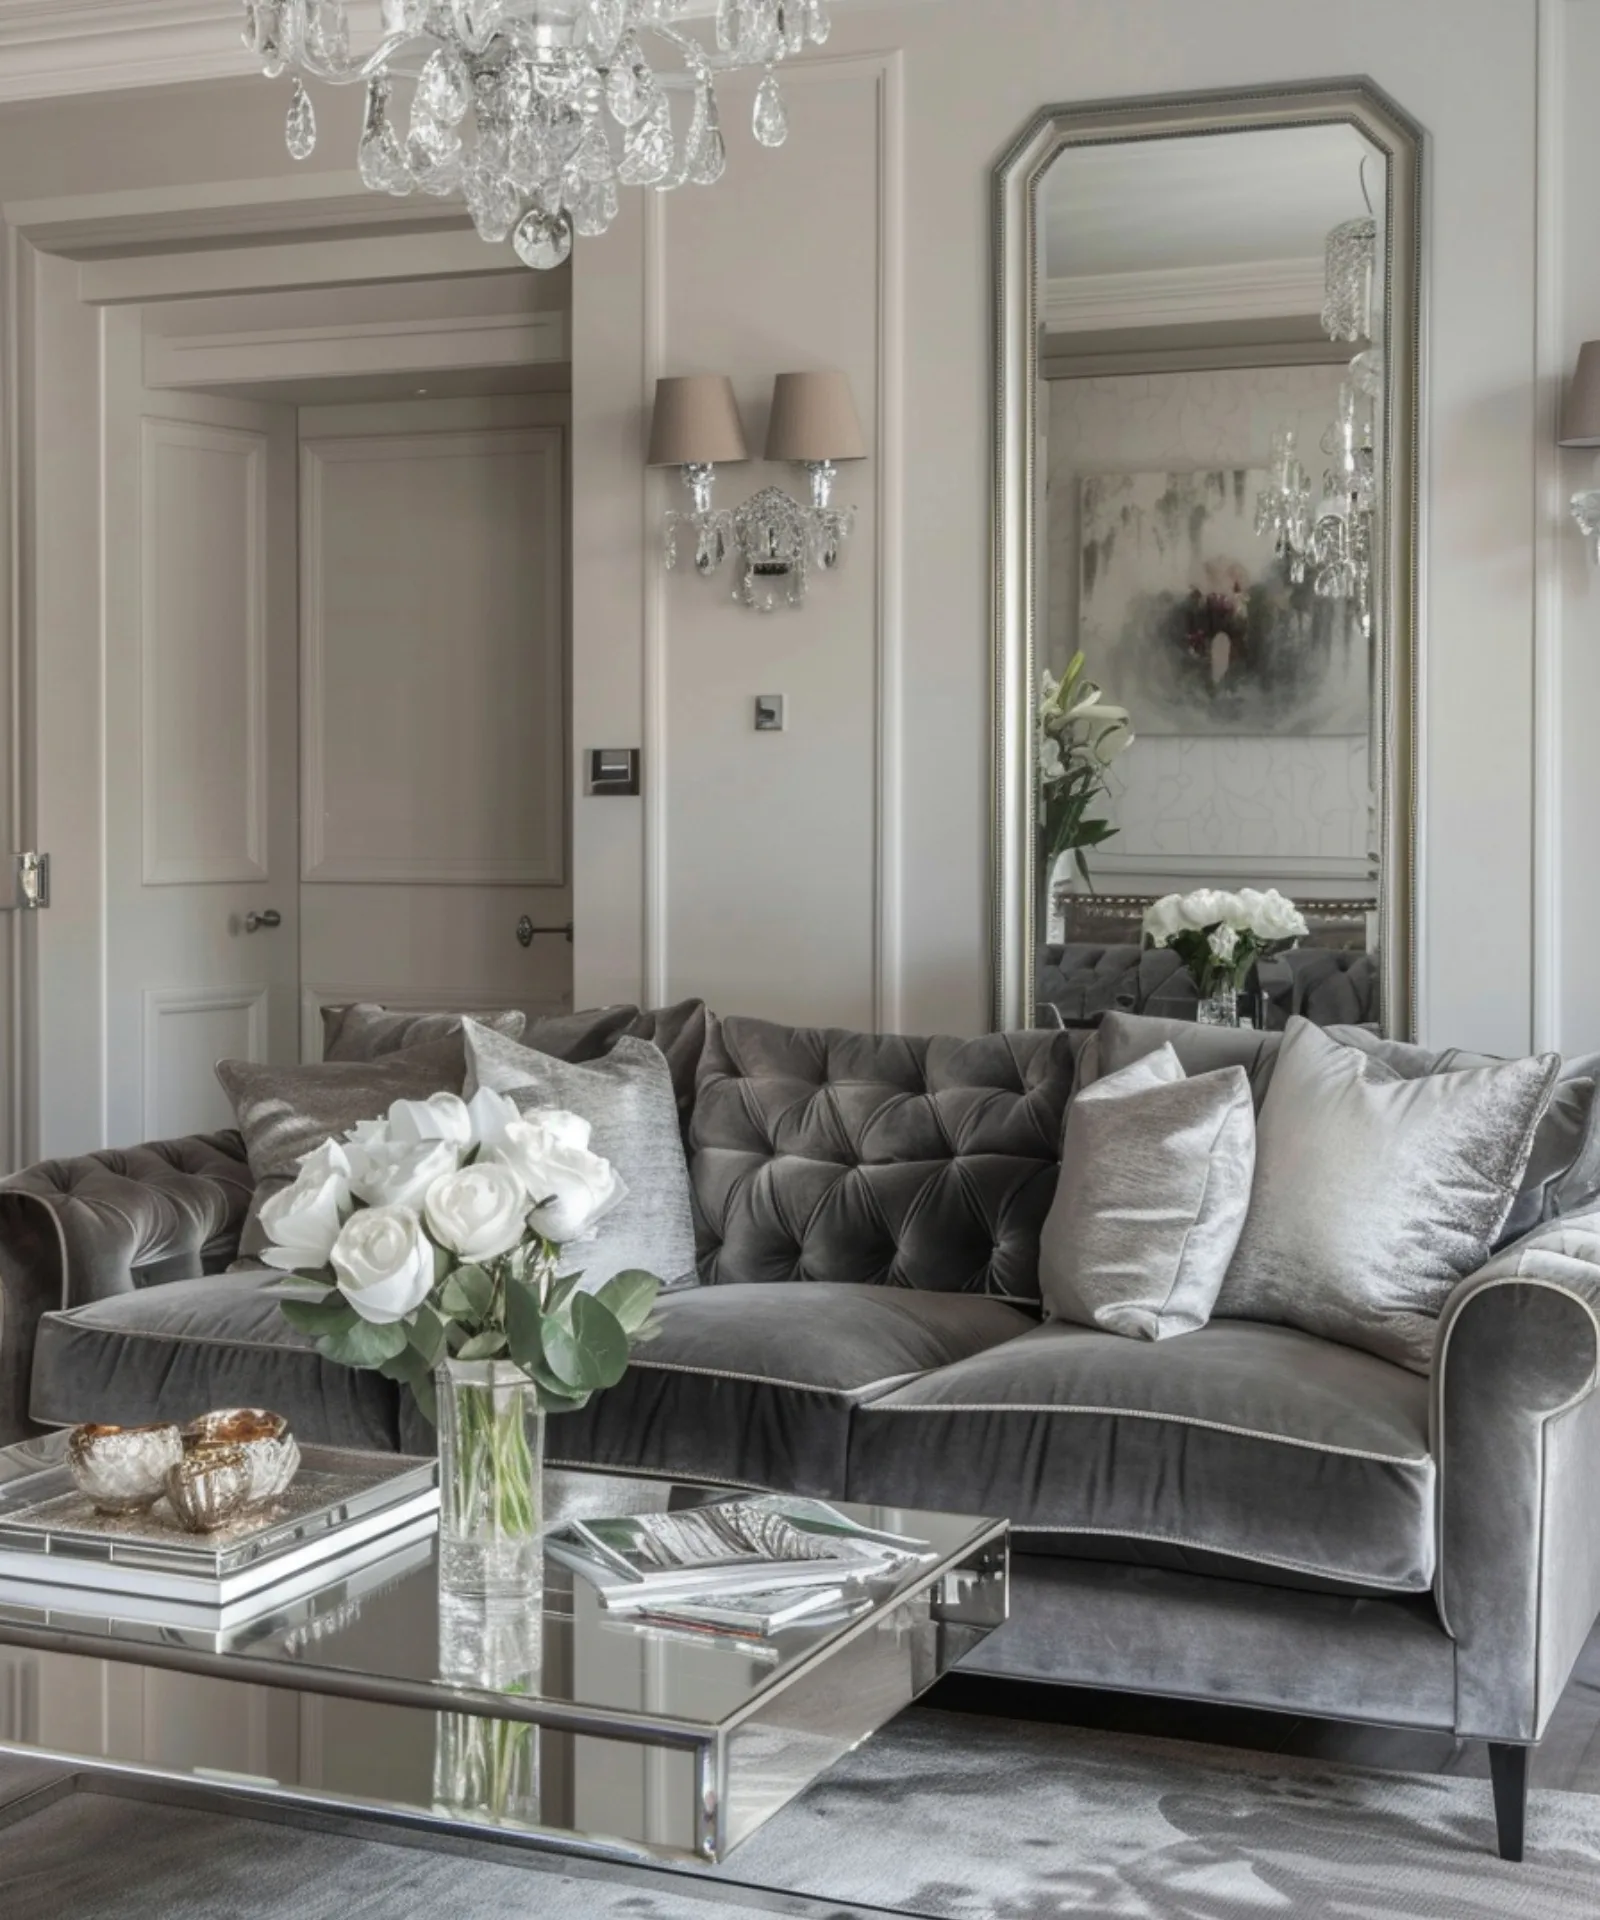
433 707
200 675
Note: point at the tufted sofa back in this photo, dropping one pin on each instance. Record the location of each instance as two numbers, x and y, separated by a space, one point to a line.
876 1158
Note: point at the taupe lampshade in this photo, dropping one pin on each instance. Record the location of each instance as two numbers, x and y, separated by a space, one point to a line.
696 422
1580 417
814 418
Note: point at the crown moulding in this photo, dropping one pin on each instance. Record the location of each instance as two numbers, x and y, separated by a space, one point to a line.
50 48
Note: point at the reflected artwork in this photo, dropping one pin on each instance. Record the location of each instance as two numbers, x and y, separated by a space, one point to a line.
1192 619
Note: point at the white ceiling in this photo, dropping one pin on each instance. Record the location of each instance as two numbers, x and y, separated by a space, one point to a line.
1215 200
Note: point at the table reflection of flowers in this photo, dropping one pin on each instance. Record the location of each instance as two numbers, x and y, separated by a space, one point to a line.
488 1769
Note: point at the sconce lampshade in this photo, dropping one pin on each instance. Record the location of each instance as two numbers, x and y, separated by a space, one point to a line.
814 419
1580 417
696 422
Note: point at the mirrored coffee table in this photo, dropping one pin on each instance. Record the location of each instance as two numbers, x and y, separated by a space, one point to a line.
566 1727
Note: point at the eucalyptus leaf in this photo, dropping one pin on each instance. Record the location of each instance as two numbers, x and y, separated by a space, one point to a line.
407 1367
318 1317
426 1395
561 1291
601 1338
427 1336
484 1346
468 1294
631 1297
364 1345
524 1323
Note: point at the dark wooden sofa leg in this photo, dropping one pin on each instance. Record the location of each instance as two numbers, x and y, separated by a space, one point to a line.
1508 1768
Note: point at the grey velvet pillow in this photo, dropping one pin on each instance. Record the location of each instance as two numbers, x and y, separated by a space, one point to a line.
1563 1173
1156 1173
368 1032
1375 1195
285 1113
1126 1037
628 1100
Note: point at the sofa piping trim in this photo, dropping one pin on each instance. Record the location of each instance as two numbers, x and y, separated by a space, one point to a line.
797 1386
1237 1553
1424 1460
1439 1365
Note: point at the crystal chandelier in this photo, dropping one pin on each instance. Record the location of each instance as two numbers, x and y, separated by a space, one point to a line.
535 112
1336 543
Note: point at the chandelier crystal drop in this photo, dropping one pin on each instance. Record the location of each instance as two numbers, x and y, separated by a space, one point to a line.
536 112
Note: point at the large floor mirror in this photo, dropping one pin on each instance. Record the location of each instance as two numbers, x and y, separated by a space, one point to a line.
1208 363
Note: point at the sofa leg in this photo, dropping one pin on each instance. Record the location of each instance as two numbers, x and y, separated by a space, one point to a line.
1508 1768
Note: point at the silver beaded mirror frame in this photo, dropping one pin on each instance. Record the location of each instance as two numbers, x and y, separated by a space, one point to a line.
1016 909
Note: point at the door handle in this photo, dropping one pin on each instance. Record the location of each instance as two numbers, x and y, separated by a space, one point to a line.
254 922
527 932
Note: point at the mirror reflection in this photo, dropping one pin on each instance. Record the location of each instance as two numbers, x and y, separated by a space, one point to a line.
1210 597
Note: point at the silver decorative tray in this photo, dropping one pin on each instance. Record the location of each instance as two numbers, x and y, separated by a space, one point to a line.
50 1531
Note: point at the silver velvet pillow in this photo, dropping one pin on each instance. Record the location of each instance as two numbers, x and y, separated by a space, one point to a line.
285 1113
628 1100
1155 1183
365 1031
1375 1195
1126 1037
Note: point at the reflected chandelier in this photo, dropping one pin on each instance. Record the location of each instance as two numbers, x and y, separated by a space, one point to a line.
534 112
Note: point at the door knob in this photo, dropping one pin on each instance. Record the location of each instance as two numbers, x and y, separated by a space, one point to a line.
527 932
254 922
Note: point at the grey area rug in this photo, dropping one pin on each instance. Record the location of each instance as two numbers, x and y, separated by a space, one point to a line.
943 1816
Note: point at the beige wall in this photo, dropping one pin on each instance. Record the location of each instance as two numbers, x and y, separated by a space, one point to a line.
839 871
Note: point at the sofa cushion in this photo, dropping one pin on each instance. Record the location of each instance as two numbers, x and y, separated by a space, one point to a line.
627 1099
169 1353
1245 1445
754 1386
875 1158
1375 1196
679 1031
365 1031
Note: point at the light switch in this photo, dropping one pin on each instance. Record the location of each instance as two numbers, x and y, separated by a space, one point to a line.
769 713
613 770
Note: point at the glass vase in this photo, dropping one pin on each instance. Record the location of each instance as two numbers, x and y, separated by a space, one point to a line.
491 1479
485 1769
1219 1007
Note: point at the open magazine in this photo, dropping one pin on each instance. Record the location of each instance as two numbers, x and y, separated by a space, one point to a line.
770 1548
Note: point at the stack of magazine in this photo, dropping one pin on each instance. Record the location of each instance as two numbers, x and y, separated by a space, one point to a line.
745 1568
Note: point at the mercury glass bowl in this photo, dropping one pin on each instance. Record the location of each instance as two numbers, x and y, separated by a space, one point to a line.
263 1438
208 1486
123 1469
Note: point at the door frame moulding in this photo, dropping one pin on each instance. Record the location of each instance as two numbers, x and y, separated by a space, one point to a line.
318 208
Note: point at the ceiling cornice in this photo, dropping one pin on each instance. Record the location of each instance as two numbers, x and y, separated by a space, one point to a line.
49 48
1257 290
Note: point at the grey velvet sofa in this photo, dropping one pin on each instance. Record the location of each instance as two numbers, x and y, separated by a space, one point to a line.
1244 1514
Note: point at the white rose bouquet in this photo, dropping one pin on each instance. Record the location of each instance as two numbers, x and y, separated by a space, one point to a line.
438 1233
1220 936
1080 735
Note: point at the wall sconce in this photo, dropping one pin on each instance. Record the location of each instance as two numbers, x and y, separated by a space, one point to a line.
1580 427
777 537
813 425
697 429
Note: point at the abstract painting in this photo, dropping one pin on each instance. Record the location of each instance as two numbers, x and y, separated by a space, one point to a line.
1190 620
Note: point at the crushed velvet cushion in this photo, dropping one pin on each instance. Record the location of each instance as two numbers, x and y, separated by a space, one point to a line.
367 1032
1155 1182
285 1113
1374 1196
679 1031
878 1158
756 1386
628 1101
1563 1172
1237 1444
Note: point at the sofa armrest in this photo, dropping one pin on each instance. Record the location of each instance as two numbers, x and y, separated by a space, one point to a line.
1516 1435
73 1231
